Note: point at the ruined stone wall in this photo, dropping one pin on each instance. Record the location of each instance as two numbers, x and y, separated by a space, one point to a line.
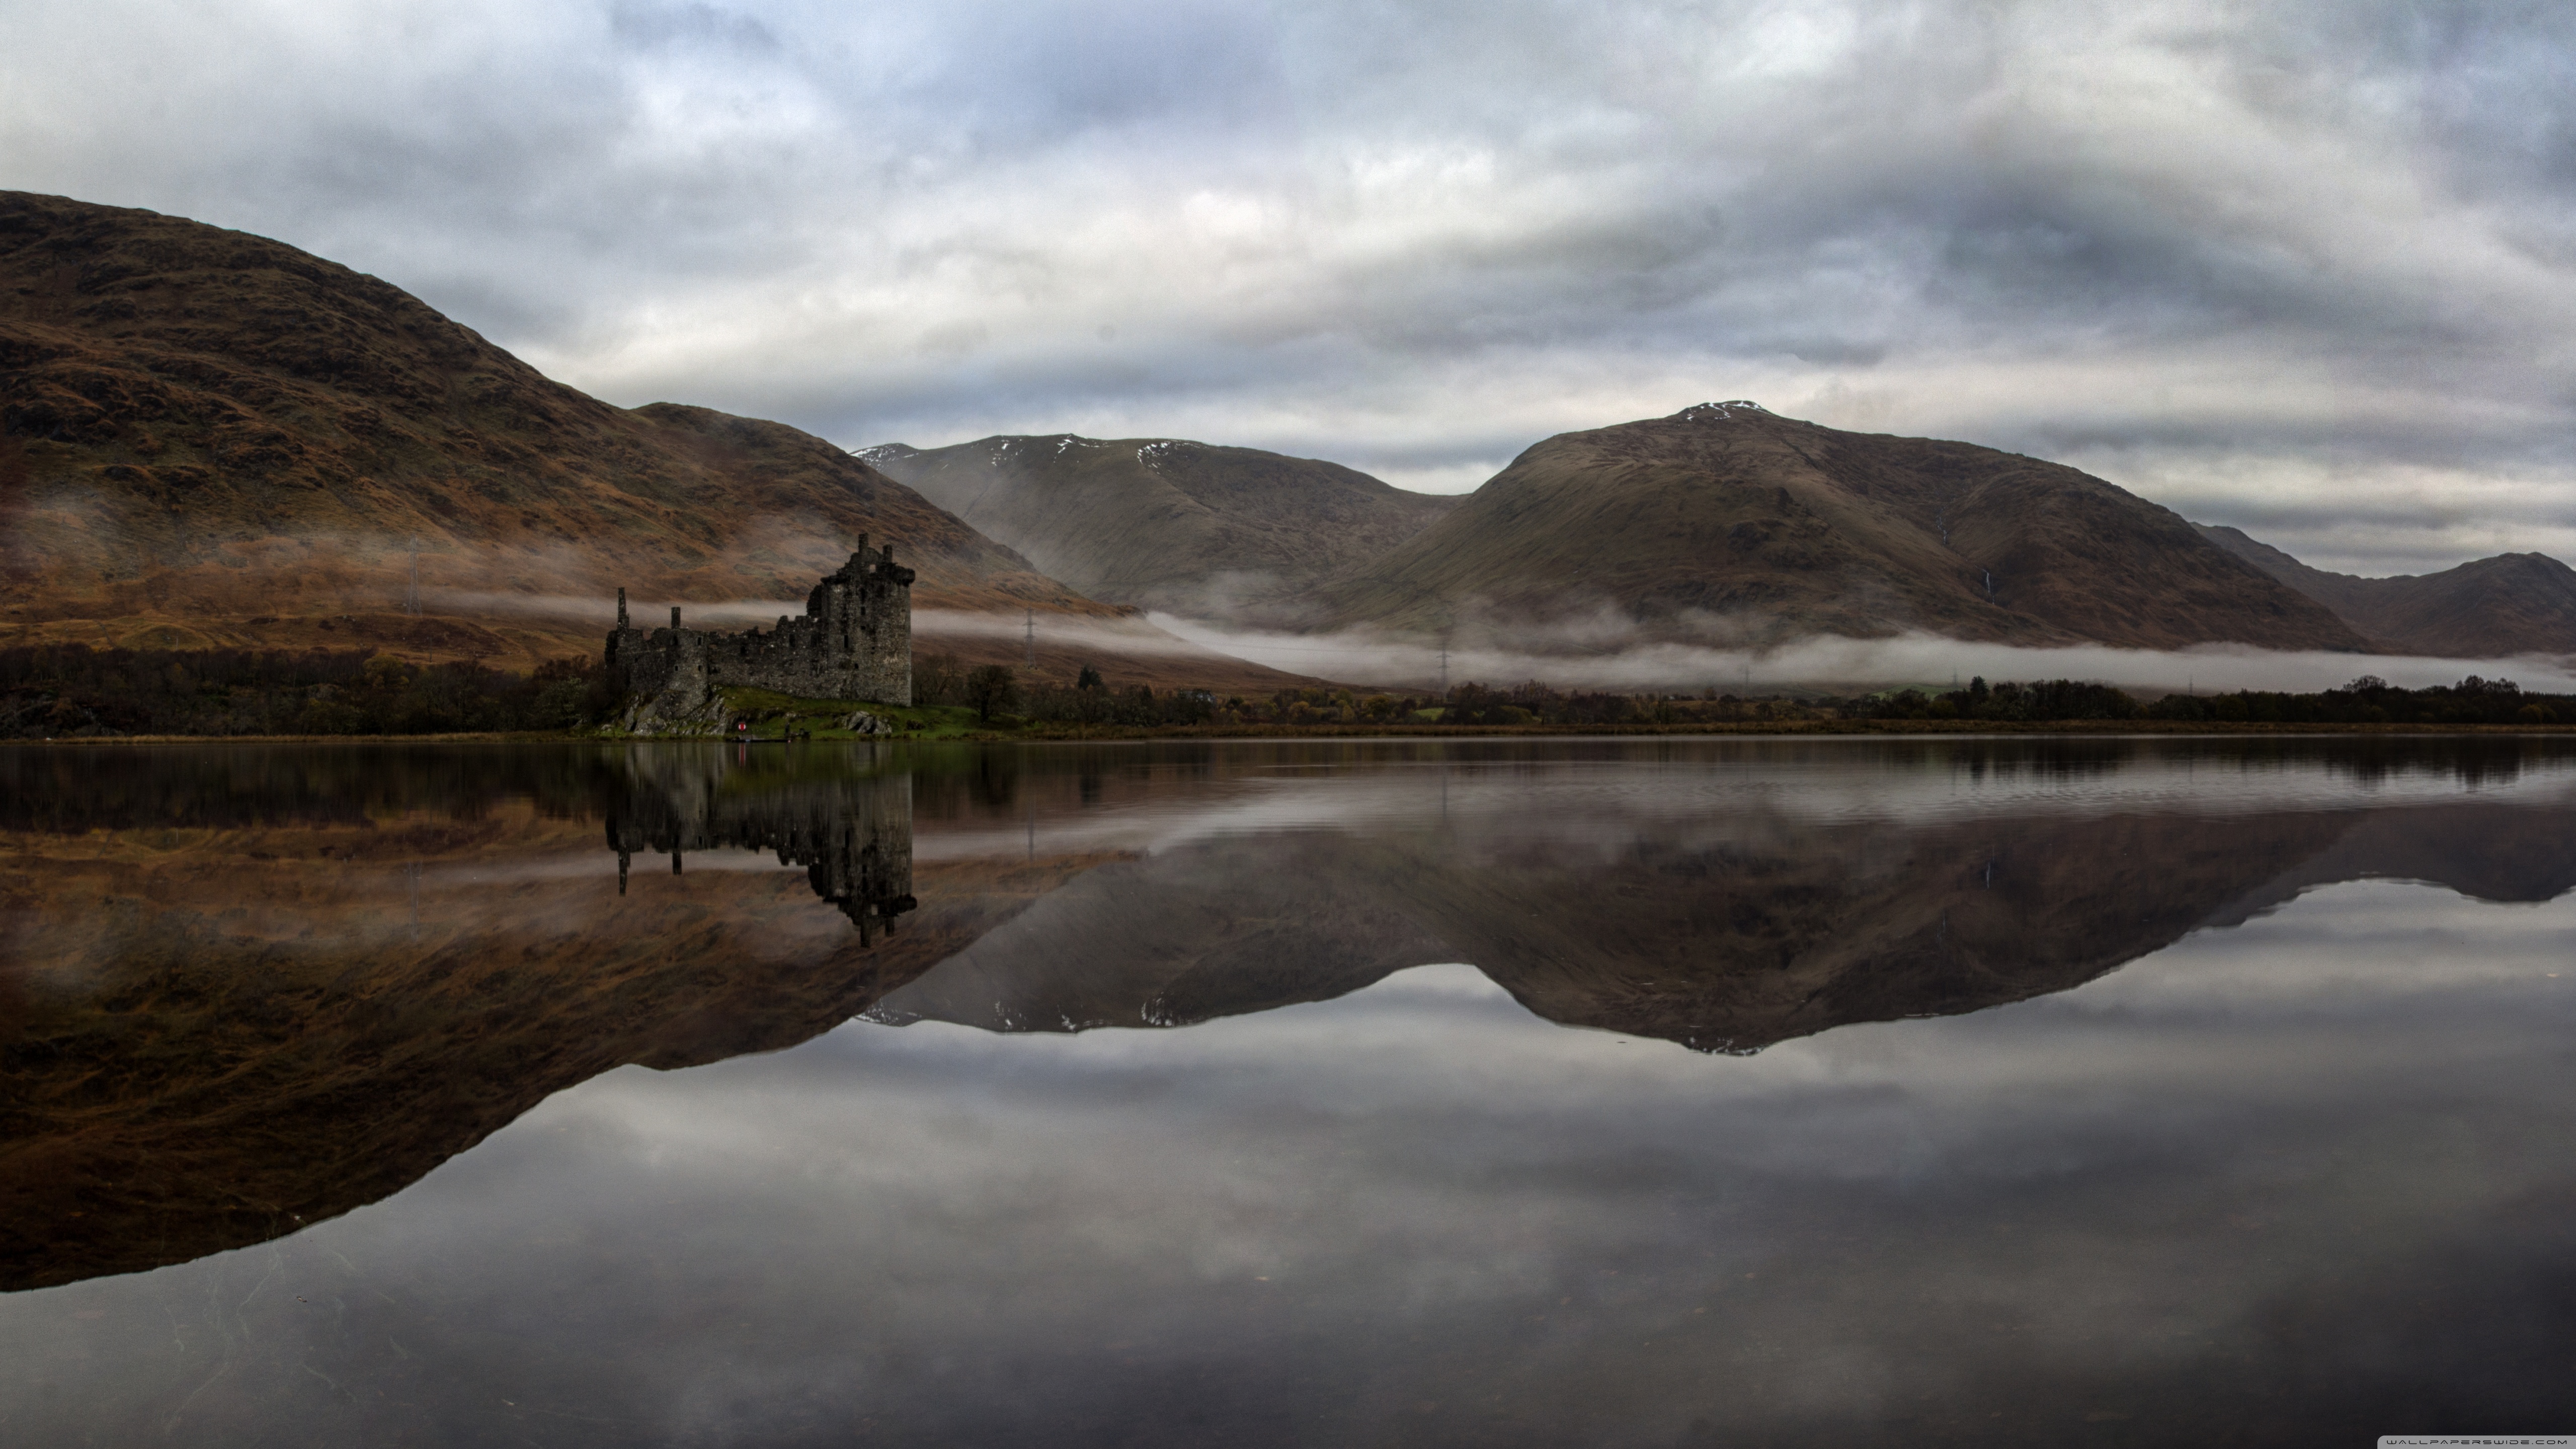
853 642
670 662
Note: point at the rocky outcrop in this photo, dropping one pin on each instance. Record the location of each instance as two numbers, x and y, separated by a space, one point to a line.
695 711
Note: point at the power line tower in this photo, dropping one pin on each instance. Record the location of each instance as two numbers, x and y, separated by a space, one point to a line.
1031 661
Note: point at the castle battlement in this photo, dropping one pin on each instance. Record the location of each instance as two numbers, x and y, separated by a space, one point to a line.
854 642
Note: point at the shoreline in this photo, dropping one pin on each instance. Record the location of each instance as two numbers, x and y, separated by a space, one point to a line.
1063 733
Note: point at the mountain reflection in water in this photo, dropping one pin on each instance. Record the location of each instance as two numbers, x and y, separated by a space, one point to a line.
250 989
1726 910
254 988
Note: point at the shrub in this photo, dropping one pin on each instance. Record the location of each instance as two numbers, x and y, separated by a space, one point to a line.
992 689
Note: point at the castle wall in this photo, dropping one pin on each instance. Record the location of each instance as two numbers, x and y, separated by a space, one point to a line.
853 642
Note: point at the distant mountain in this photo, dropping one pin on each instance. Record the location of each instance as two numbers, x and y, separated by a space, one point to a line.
209 438
1164 523
1726 520
2513 603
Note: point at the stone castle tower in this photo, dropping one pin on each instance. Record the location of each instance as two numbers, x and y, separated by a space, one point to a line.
854 642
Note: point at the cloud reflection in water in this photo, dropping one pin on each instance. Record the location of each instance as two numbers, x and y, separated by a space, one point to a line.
2298 1176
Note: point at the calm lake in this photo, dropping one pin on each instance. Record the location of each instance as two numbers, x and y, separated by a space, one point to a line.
1496 1092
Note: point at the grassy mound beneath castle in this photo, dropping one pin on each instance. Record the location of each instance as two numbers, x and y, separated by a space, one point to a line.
773 714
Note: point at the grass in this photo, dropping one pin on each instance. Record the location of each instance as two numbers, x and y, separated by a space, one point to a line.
1393 729
771 714
949 724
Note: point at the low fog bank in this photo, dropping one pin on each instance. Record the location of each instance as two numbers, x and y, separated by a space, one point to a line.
1828 661
1588 653
1132 636
601 609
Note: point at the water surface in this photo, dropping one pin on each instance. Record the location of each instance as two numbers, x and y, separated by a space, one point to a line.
1530 1092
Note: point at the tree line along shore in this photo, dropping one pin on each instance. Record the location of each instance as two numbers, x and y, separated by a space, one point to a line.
52 692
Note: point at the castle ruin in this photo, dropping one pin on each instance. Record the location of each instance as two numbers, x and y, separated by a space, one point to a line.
854 642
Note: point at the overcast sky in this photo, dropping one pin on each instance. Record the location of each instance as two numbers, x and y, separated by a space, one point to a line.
2306 269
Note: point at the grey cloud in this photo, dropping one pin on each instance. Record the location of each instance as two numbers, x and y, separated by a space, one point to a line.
1034 75
2267 247
690 25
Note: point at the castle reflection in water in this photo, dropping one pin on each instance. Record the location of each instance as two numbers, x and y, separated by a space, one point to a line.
852 836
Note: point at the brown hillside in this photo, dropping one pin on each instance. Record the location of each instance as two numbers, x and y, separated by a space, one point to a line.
2513 603
210 438
1724 520
1164 523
